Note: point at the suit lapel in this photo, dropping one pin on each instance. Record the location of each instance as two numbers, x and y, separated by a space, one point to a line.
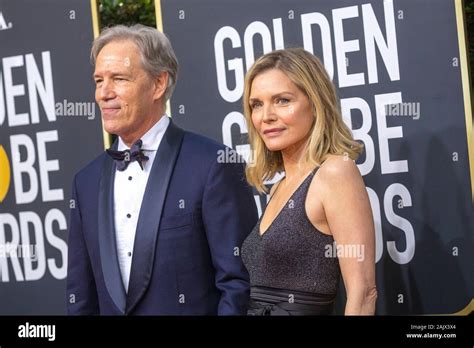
150 214
108 247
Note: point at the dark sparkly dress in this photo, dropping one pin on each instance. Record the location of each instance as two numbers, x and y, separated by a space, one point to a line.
290 271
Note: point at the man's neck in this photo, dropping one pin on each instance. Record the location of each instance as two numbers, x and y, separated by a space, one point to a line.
131 138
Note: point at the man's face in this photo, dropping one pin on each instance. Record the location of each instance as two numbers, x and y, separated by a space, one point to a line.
125 93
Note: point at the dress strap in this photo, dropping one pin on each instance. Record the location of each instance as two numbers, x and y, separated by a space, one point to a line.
276 189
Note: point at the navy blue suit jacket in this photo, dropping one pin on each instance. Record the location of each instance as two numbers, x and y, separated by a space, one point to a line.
195 214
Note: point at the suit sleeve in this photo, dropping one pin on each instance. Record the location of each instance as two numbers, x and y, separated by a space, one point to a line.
80 288
229 214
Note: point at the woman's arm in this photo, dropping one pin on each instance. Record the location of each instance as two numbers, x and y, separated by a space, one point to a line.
349 217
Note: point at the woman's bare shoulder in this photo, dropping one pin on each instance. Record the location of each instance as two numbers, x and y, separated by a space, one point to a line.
337 167
337 171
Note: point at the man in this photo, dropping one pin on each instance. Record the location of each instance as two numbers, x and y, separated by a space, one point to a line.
158 222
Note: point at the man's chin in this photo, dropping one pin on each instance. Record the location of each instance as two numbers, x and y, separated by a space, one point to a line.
111 127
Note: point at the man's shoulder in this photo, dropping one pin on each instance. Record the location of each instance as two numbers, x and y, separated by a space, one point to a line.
201 145
91 169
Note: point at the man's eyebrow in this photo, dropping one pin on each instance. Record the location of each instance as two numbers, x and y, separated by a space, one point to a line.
114 74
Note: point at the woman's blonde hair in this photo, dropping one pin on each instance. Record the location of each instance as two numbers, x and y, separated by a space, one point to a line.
329 134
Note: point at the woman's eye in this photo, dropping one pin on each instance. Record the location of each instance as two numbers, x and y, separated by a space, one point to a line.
255 105
282 101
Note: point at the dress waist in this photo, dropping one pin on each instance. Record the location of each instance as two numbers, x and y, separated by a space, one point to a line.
271 301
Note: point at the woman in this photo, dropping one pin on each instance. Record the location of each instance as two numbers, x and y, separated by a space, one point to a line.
318 222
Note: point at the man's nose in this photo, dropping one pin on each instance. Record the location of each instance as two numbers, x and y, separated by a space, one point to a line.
106 91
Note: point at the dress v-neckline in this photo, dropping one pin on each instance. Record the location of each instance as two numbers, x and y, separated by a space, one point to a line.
260 234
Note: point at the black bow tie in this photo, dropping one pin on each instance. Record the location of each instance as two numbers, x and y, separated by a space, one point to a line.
124 158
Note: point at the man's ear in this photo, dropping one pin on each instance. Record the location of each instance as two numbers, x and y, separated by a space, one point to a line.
160 83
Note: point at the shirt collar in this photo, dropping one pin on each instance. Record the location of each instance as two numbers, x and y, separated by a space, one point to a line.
152 138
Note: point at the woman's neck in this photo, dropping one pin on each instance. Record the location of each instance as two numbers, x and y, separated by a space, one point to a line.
294 161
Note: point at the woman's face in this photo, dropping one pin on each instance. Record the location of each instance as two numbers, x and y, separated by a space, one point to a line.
281 112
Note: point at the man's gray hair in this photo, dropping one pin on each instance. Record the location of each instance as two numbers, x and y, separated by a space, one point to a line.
155 49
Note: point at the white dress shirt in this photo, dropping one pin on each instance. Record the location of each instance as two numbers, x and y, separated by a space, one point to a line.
129 188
